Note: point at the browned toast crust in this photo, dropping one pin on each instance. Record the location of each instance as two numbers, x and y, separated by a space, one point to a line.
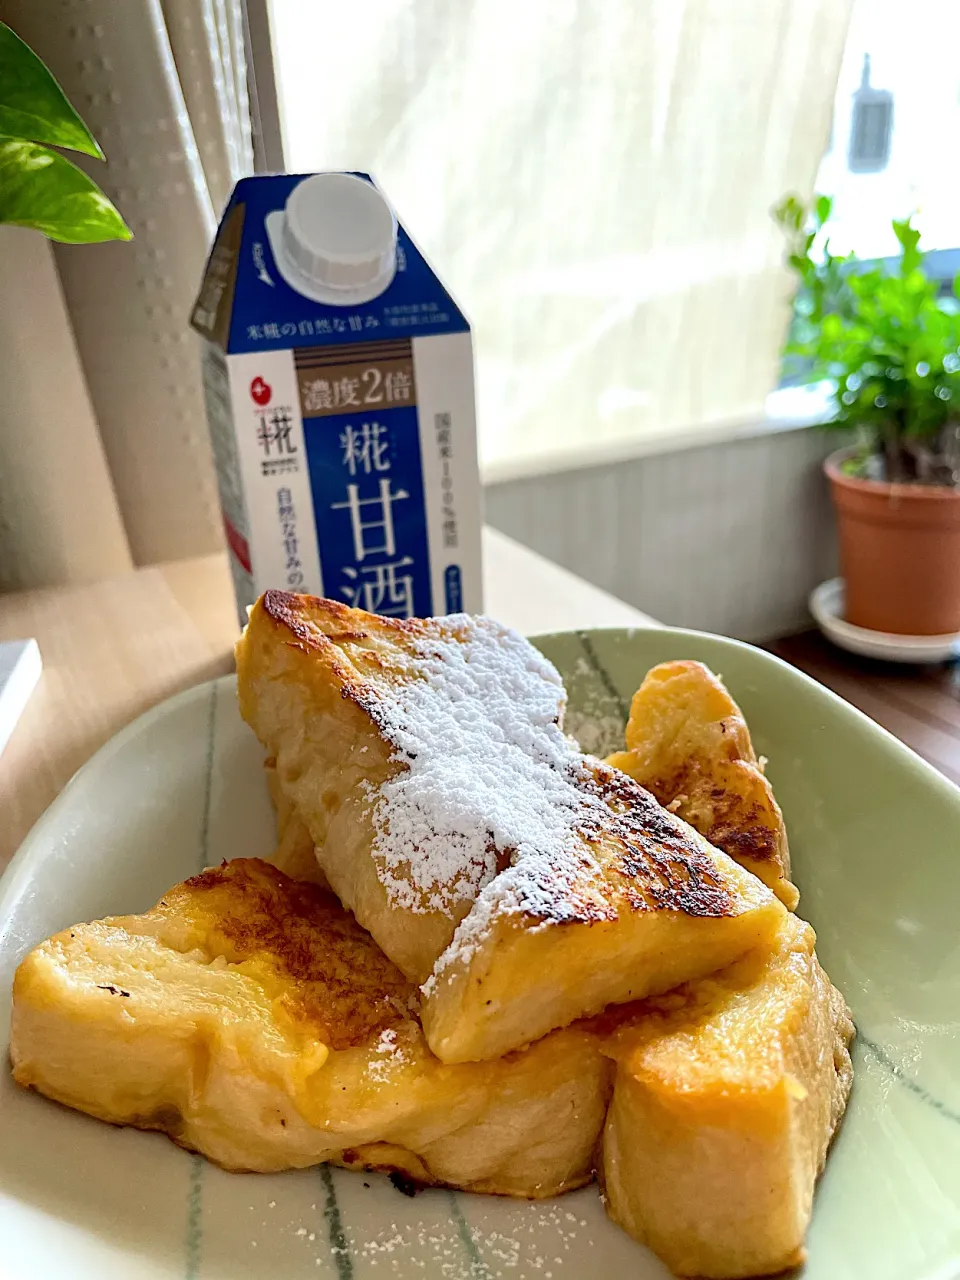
689 745
662 864
344 989
360 650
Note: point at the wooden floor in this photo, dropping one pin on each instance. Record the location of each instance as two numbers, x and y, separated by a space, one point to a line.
920 705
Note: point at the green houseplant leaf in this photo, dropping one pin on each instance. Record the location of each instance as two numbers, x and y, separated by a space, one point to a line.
40 188
884 338
32 104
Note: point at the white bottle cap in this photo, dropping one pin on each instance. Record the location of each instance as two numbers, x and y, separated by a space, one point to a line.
338 239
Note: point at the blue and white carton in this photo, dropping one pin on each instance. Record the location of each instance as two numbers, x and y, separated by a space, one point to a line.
338 376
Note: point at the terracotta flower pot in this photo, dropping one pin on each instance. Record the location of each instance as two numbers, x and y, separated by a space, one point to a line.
899 553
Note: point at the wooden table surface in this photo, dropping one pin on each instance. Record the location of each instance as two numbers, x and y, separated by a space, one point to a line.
112 650
919 705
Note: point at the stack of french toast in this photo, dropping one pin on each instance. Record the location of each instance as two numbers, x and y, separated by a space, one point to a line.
478 956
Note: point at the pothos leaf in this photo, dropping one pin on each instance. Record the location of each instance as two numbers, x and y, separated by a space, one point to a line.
32 104
40 188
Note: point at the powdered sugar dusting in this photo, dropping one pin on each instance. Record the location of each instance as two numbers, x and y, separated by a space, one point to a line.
388 1053
514 1239
597 719
490 775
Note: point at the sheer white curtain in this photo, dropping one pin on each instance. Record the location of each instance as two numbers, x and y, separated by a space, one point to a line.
163 88
593 178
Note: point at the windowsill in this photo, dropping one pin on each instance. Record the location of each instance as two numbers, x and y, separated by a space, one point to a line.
786 409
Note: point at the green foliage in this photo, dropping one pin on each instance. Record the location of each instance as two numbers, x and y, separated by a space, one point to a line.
40 188
884 338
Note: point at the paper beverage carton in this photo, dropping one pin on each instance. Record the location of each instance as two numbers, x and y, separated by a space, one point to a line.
338 375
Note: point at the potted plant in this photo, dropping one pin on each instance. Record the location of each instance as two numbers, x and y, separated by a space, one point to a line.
39 187
889 346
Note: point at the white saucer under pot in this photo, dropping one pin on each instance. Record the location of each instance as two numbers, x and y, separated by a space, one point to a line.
827 607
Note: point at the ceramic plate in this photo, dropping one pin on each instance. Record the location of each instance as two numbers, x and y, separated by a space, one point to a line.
827 605
875 834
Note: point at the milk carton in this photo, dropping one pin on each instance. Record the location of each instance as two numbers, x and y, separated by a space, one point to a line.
338 375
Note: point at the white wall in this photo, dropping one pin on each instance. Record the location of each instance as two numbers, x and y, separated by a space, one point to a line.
727 537
59 518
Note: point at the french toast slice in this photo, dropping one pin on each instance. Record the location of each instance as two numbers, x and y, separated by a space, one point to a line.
727 1094
640 904
523 883
325 688
251 1019
688 743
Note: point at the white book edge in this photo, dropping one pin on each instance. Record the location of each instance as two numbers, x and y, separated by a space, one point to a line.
20 667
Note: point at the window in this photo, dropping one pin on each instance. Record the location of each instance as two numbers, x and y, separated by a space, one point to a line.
871 126
593 180
895 124
897 103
